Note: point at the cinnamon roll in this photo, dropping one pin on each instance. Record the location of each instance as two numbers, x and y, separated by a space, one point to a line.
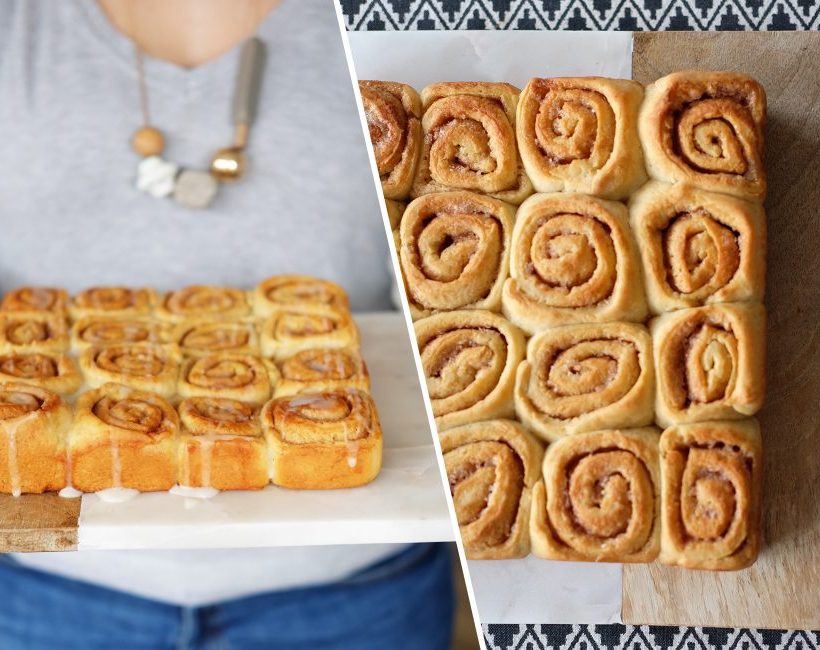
101 331
454 251
573 260
113 302
711 478
234 376
56 373
323 440
298 293
221 445
492 467
706 128
123 437
469 141
34 424
393 111
469 360
584 377
36 299
142 366
198 338
710 362
203 301
395 210
600 498
25 332
320 370
286 332
578 135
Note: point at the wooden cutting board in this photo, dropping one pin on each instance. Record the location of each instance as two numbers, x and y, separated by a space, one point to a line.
782 590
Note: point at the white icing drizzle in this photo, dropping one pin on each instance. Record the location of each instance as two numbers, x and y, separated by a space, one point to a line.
193 492
352 453
117 494
70 492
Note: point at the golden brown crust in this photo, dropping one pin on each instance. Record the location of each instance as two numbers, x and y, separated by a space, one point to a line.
395 210
203 301
492 467
34 423
221 445
298 293
454 250
706 128
469 359
710 362
35 299
711 476
319 370
579 135
393 110
33 332
113 302
140 366
57 373
573 260
580 378
123 437
286 332
698 247
101 331
323 440
235 376
599 499
198 338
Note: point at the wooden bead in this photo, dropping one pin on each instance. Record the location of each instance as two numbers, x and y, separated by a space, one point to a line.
148 141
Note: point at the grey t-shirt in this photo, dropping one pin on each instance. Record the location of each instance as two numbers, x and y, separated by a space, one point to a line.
71 216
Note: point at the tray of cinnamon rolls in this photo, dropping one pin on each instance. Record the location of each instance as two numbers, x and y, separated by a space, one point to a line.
116 389
584 262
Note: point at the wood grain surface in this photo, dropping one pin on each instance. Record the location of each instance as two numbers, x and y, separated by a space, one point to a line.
782 590
38 522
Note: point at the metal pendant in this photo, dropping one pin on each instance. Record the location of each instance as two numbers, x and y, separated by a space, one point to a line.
195 189
156 176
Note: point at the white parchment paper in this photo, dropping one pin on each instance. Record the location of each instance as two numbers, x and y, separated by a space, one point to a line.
405 503
529 590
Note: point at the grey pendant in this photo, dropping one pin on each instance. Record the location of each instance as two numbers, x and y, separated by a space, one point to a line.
195 189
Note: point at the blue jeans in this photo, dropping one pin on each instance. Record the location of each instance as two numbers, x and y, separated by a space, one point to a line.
403 602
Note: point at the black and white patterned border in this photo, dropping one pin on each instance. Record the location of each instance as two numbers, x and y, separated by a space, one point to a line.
628 15
610 637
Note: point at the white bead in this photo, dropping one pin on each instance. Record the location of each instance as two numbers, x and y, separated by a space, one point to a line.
195 189
156 176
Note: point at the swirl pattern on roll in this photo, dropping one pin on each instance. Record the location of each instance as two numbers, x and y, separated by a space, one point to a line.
711 504
454 250
33 332
320 369
710 362
578 135
469 359
584 377
141 366
706 128
99 331
599 500
35 299
287 332
55 372
573 260
298 293
201 338
393 113
113 301
492 467
219 416
236 376
203 301
340 416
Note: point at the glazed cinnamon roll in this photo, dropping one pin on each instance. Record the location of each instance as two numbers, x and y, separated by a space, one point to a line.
573 260
698 247
113 302
34 424
203 301
323 440
25 332
199 338
706 128
469 360
221 445
600 498
585 377
454 251
141 366
393 112
287 332
298 293
492 467
101 331
123 437
711 475
469 141
36 299
579 135
234 376
321 369
710 362
56 373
